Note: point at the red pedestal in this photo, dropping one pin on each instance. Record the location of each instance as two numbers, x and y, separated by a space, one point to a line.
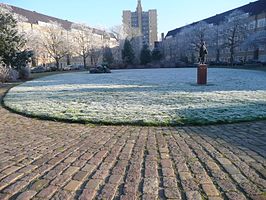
202 74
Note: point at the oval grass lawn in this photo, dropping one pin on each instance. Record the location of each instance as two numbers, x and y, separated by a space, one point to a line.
144 97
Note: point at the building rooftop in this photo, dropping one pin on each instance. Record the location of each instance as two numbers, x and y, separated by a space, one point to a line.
252 8
34 17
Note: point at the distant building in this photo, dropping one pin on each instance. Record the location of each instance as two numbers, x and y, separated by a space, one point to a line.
256 12
142 24
36 21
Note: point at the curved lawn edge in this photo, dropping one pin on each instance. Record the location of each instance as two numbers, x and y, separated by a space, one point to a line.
183 122
179 122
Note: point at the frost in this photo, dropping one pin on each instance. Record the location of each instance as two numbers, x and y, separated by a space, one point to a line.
157 96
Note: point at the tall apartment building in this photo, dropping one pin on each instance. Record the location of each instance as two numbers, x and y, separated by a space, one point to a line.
141 23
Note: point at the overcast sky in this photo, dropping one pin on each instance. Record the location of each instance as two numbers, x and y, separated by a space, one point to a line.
106 13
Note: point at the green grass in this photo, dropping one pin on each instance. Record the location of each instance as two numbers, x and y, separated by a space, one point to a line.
178 122
43 74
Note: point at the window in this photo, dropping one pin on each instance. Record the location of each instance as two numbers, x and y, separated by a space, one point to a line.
252 25
261 48
261 22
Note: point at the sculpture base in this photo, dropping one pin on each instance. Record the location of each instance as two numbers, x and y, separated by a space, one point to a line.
202 74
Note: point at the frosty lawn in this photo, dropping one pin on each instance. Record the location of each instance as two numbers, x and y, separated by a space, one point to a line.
144 97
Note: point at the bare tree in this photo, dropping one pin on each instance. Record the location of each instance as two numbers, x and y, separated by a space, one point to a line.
216 39
55 42
255 40
235 31
197 34
100 40
119 32
187 42
34 43
83 40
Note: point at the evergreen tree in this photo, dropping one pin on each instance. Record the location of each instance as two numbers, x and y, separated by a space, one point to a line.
108 55
128 55
145 55
156 54
11 42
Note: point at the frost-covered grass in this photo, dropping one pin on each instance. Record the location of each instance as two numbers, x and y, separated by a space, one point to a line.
144 97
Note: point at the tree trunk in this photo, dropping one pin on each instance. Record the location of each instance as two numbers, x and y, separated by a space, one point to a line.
256 54
232 55
84 62
217 55
92 60
68 59
57 63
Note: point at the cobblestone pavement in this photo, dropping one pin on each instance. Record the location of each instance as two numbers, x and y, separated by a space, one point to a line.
51 160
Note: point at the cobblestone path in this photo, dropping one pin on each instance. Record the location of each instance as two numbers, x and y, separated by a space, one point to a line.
51 160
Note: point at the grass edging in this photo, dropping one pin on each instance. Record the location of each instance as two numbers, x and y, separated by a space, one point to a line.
179 122
183 122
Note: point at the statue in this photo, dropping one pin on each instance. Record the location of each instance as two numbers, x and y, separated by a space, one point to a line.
202 53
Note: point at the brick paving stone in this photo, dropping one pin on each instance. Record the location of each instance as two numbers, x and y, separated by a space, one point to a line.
185 176
27 169
93 184
71 170
150 186
130 162
47 192
80 176
210 190
169 172
30 177
227 185
108 191
60 180
149 197
101 174
11 178
26 195
70 159
10 170
215 198
166 163
235 195
193 195
87 194
39 184
73 185
15 187
169 182
203 178
231 169
189 185
63 195
115 179
89 168
239 178
4 196
172 193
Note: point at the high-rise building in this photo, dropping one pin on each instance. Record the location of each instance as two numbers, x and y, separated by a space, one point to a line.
141 23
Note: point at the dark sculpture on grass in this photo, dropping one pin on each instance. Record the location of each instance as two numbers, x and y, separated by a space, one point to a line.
202 53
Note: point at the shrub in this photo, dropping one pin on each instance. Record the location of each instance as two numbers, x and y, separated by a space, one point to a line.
145 55
8 74
24 72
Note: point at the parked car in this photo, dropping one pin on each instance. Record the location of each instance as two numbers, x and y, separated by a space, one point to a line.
67 68
74 67
100 69
38 69
53 68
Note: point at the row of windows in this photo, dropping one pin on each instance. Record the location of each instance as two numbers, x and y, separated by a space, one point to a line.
260 23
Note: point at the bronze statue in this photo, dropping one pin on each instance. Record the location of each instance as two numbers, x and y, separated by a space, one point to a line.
202 53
